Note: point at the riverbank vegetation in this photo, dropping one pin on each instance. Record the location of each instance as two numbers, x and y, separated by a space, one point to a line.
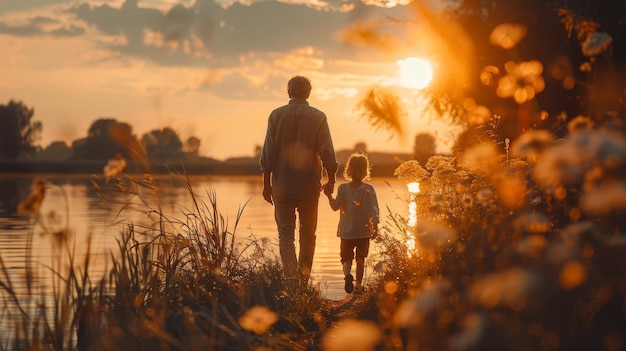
520 250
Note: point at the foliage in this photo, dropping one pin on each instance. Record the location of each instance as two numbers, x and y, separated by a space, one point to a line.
106 138
383 110
18 132
164 144
514 253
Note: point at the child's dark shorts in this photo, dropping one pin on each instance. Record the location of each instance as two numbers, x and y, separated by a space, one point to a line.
362 247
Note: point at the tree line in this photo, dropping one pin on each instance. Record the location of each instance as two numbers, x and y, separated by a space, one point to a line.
106 138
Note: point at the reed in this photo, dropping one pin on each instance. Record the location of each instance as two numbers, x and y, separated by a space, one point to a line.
180 283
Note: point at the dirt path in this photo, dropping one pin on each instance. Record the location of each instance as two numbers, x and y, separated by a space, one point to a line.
350 306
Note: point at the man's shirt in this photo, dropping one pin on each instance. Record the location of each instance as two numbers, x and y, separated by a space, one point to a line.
297 145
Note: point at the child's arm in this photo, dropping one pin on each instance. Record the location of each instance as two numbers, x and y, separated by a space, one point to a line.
334 203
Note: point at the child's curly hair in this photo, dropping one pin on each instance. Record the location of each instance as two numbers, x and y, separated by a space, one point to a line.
357 167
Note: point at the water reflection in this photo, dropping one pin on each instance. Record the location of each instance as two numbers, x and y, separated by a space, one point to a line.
91 212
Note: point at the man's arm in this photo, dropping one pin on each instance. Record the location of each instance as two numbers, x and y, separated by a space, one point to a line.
327 154
267 160
267 187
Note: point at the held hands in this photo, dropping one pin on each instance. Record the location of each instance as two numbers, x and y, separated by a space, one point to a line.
328 189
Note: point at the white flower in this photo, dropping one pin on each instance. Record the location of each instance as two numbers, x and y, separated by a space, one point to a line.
531 144
413 310
609 197
509 288
258 319
569 160
430 234
410 171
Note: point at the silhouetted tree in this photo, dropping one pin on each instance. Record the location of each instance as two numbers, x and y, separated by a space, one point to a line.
192 147
18 132
56 151
162 144
106 138
258 150
425 146
361 146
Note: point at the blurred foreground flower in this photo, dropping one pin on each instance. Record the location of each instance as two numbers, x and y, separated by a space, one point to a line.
352 335
432 235
609 197
32 204
258 319
596 43
414 310
474 328
114 166
522 82
531 144
579 123
481 159
509 288
571 159
507 35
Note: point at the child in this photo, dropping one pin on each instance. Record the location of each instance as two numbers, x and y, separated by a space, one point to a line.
358 217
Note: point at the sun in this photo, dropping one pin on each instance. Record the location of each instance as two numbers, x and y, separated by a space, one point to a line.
415 73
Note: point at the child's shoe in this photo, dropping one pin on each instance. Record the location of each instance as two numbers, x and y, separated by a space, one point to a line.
349 287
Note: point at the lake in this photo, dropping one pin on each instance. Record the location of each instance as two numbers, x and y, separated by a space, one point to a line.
96 218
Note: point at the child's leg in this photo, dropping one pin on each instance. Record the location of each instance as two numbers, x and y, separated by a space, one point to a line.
347 255
347 267
346 252
360 269
362 250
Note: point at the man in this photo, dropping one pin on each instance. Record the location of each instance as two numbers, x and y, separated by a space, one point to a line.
297 146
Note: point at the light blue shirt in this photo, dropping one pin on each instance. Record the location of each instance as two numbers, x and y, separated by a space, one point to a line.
358 210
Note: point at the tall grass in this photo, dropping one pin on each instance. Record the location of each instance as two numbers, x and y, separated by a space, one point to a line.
182 283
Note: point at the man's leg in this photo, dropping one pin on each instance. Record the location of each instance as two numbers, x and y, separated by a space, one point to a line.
307 213
285 215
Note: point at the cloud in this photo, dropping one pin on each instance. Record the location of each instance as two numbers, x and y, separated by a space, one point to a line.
21 5
204 33
242 86
249 50
41 25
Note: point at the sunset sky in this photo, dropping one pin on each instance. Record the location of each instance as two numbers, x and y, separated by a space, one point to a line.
207 68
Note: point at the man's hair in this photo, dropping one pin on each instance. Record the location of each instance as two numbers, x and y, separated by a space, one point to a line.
299 87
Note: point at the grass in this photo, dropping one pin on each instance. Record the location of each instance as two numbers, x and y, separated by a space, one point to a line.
510 255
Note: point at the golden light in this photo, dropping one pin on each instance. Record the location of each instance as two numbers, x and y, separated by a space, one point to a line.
415 73
414 189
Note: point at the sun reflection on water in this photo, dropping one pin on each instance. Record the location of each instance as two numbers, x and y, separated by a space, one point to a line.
414 189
